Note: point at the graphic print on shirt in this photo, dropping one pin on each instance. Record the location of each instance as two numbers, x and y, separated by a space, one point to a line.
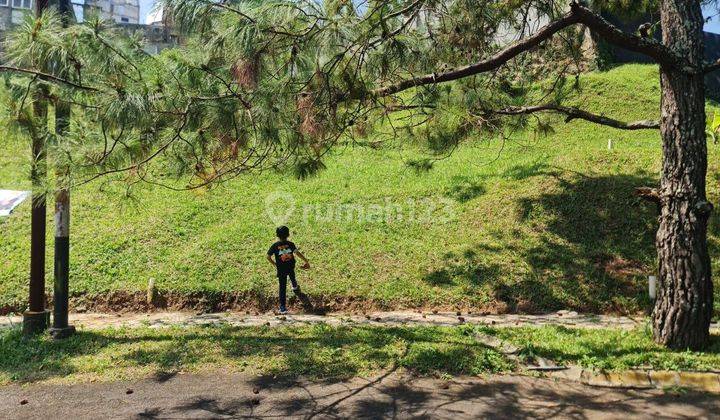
285 253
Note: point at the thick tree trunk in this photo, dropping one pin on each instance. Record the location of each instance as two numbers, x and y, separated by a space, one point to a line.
684 305
36 318
38 175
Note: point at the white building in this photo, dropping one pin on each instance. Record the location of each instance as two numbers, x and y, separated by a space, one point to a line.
121 11
12 12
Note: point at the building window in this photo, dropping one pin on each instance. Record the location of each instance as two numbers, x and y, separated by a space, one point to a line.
126 20
17 16
4 2
21 4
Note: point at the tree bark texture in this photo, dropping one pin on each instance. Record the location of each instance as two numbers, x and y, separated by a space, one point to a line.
38 175
683 309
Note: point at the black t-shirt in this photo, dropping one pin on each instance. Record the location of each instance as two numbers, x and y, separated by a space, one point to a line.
284 255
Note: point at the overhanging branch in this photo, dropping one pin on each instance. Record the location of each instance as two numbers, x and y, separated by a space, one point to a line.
491 63
578 14
647 46
47 77
711 67
573 113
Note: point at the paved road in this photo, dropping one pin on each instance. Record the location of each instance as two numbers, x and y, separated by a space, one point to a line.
391 395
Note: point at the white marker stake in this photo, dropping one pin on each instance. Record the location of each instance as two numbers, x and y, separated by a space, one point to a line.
652 287
610 144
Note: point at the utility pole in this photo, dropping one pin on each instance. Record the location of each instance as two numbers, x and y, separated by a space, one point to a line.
60 327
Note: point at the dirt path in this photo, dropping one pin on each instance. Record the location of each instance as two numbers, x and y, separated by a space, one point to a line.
391 395
159 319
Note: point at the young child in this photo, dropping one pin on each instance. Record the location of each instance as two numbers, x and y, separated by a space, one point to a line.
284 252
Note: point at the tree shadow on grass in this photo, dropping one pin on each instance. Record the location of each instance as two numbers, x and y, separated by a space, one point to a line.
295 385
593 243
467 268
597 349
317 351
584 243
305 366
523 172
600 216
464 189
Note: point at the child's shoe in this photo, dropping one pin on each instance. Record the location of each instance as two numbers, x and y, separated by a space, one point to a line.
283 311
296 290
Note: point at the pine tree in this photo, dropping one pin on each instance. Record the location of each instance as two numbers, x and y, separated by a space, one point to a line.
263 85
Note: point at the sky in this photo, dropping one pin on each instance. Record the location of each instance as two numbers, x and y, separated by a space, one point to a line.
714 24
146 7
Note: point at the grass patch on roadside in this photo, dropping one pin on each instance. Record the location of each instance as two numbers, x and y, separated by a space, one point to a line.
323 352
317 351
606 349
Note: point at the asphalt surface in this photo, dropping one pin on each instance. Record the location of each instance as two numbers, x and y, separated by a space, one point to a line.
391 395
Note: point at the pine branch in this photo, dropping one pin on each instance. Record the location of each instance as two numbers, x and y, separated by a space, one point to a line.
48 77
223 5
578 14
644 45
573 113
406 9
709 68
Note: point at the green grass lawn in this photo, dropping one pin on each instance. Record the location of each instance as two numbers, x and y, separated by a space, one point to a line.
321 351
535 223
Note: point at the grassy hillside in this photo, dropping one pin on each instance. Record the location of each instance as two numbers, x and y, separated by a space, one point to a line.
529 224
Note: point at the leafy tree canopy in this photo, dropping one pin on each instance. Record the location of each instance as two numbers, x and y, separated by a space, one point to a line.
274 84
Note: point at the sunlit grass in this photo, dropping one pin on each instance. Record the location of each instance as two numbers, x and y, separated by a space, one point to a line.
536 223
322 351
316 351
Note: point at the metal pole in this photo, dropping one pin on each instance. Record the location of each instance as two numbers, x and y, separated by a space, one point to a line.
60 328
37 318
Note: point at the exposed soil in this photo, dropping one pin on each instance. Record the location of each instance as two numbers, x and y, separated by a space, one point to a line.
121 301
621 268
